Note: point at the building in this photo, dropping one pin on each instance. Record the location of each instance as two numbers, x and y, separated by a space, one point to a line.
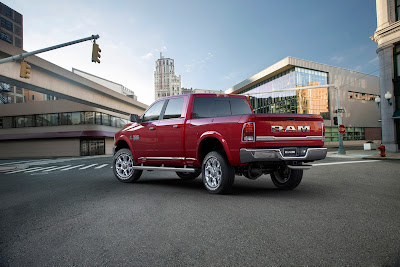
166 83
78 117
119 88
357 92
200 91
11 31
11 26
387 35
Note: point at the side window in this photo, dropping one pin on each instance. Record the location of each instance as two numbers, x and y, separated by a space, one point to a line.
153 113
174 108
240 106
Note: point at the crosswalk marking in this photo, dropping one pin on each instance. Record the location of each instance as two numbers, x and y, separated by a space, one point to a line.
57 168
84 168
43 169
39 169
101 166
23 170
73 167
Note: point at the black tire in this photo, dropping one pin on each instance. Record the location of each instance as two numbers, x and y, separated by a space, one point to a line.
218 174
189 175
122 163
285 178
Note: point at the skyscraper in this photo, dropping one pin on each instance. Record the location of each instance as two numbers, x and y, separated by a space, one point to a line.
166 83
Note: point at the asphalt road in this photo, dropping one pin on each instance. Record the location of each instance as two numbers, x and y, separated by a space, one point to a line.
341 214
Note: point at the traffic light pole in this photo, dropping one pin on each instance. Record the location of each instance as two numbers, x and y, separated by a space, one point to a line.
341 150
24 55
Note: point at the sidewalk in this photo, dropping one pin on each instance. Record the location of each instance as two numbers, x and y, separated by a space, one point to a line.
359 152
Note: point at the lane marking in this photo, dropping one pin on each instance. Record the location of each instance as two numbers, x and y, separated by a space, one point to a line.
88 166
73 167
101 166
23 170
343 162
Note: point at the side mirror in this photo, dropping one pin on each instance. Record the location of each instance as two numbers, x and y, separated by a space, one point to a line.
134 118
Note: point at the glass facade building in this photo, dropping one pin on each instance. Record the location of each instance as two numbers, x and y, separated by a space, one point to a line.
268 97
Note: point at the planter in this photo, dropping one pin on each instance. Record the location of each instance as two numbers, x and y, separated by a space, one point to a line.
369 146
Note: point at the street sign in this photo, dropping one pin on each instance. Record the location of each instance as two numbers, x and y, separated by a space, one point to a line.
342 129
339 110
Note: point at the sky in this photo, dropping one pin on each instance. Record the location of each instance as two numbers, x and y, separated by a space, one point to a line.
215 44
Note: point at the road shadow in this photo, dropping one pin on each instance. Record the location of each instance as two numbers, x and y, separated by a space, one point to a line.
242 187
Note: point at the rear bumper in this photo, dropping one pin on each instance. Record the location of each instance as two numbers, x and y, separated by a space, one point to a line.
257 155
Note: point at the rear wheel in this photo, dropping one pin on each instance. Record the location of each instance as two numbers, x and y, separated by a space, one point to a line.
189 175
285 178
122 166
218 174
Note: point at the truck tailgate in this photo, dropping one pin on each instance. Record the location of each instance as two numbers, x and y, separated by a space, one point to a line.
287 130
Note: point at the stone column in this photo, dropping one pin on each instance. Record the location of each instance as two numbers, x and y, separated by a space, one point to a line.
385 55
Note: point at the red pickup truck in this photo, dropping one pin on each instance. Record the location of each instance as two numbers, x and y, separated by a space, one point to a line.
218 136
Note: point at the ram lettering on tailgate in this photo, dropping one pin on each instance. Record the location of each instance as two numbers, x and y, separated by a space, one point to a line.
290 128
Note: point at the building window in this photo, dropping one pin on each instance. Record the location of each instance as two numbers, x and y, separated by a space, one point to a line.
397 3
6 24
351 134
361 96
65 118
8 12
396 60
90 147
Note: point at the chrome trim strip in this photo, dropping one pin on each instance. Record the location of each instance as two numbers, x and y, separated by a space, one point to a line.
153 168
161 158
274 138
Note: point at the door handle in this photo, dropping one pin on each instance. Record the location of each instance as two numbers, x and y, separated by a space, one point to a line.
152 128
175 126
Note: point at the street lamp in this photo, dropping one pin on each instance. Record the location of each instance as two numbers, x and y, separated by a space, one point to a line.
388 97
377 100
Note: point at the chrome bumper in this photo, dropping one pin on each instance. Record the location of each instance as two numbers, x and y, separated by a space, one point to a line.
257 155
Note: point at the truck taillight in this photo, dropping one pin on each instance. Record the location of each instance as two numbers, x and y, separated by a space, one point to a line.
248 132
323 131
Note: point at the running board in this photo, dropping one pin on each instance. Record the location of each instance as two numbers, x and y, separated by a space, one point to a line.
162 168
299 167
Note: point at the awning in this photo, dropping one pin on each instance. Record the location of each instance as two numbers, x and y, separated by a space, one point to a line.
396 114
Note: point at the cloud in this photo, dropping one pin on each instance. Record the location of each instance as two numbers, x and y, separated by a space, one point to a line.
148 56
231 76
358 68
199 63
337 59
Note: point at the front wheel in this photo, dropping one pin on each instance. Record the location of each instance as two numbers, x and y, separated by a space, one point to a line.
122 166
285 178
218 174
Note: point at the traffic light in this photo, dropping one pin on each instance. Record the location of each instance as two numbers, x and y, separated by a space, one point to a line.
25 70
96 53
335 121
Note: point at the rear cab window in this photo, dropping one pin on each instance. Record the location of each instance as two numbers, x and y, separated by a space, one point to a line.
208 107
